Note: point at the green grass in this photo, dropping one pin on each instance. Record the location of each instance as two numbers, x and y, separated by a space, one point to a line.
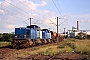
84 46
68 45
2 44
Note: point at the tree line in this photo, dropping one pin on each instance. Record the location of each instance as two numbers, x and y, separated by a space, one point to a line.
8 37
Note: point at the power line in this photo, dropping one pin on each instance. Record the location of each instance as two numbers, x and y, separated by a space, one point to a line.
19 8
16 7
45 5
60 12
57 8
52 22
26 23
13 10
27 7
60 7
11 15
32 9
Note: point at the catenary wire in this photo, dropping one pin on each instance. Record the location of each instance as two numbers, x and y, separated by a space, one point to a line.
57 8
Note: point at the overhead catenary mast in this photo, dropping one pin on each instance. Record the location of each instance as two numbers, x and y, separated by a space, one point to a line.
57 28
30 20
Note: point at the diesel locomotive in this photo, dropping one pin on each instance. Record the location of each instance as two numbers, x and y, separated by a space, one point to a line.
33 35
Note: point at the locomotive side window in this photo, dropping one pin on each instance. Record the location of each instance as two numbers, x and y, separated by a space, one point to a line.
28 33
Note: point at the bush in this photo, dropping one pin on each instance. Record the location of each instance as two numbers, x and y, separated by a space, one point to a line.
60 46
72 45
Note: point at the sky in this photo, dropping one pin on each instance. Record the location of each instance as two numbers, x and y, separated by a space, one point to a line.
16 13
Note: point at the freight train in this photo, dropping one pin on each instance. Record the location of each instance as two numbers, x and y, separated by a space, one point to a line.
33 35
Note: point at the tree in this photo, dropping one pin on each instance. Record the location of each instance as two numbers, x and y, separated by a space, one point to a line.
6 37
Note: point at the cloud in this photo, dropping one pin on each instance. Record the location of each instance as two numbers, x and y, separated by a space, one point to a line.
43 3
6 2
89 21
50 21
14 17
0 3
2 12
45 16
23 0
0 19
32 5
10 26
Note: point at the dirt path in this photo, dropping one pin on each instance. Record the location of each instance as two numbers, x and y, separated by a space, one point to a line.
9 54
6 53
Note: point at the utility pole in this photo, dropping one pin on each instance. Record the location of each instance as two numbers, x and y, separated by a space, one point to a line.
30 21
77 25
64 32
57 29
49 29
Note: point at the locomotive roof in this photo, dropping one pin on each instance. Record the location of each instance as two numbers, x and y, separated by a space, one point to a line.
32 26
44 29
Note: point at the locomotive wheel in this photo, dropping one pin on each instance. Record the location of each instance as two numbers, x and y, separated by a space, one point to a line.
30 42
48 40
38 41
14 44
45 41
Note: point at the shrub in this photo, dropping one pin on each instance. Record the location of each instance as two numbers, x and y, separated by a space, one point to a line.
60 46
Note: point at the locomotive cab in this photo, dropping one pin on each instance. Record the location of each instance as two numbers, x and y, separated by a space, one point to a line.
35 34
22 38
46 35
22 33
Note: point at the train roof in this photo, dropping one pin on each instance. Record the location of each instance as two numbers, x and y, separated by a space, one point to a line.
32 26
44 29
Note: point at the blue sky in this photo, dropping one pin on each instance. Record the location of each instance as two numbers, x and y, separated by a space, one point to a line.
15 13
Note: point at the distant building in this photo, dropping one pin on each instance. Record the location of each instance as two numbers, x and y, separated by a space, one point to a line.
86 31
74 32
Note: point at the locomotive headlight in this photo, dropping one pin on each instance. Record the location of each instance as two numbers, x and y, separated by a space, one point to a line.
24 36
15 36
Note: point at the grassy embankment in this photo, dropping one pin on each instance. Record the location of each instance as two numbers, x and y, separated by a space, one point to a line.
2 44
68 45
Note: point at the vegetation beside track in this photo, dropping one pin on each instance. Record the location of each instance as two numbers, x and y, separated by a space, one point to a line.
3 44
68 45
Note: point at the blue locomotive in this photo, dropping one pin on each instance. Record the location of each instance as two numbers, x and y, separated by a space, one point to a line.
30 35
